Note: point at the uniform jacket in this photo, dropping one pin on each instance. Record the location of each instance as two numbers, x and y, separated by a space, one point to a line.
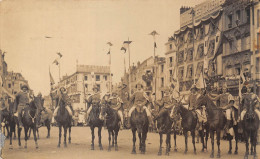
166 102
248 99
94 99
22 98
192 100
116 103
139 98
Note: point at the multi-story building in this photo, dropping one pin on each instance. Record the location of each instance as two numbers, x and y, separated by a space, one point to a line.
80 83
13 82
160 74
196 43
170 60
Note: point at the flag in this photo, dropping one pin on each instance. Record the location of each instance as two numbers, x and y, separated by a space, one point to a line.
127 42
108 52
52 82
109 43
56 62
123 48
153 33
59 54
201 82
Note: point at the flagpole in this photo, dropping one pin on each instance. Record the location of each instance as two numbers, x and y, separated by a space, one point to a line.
193 38
110 77
129 69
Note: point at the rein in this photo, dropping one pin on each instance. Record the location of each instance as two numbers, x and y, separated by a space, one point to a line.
33 118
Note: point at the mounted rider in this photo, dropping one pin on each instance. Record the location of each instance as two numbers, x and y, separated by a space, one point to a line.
22 100
139 99
93 101
166 103
116 103
225 104
63 97
248 98
191 102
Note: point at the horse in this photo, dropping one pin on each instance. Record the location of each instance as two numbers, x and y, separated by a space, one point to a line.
29 119
188 123
164 125
250 125
63 119
112 124
139 122
216 120
95 121
4 120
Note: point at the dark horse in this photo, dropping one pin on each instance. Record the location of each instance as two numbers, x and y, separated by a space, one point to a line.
63 120
216 120
112 123
139 122
95 121
250 125
188 123
164 125
5 121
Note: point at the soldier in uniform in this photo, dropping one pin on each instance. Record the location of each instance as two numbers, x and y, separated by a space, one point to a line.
139 98
249 96
93 100
63 96
22 101
191 102
166 103
225 104
117 104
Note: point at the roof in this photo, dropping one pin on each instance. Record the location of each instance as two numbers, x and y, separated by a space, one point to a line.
92 68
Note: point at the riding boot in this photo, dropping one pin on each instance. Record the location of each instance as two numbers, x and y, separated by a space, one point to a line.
227 126
128 124
150 122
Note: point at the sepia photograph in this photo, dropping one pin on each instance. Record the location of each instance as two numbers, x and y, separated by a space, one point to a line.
143 79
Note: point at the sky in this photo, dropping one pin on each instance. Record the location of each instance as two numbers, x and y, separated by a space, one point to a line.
80 30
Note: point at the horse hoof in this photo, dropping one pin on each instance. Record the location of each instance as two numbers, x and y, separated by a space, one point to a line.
218 155
159 153
116 148
58 146
25 147
175 150
195 153
11 147
252 153
100 148
69 142
37 147
167 154
202 150
212 156
235 152
185 152
109 149
229 152
246 157
92 147
133 152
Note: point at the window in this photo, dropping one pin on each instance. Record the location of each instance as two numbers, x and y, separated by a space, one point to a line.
181 73
86 87
97 77
98 86
9 85
258 41
162 82
170 75
181 56
257 65
190 71
200 52
230 21
162 68
248 15
170 46
258 18
86 78
238 16
190 55
105 77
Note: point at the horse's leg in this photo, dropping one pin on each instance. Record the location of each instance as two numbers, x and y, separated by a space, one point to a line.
14 132
236 138
134 140
7 129
29 135
99 138
230 144
69 134
116 146
48 128
175 145
201 134
35 138
93 137
206 140
60 130
186 141
109 140
247 148
160 147
19 136
218 142
193 140
168 137
25 136
10 137
113 138
65 135
37 130
212 143
140 141
144 135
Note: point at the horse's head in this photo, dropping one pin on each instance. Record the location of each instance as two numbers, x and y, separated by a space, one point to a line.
202 101
38 103
139 109
103 111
